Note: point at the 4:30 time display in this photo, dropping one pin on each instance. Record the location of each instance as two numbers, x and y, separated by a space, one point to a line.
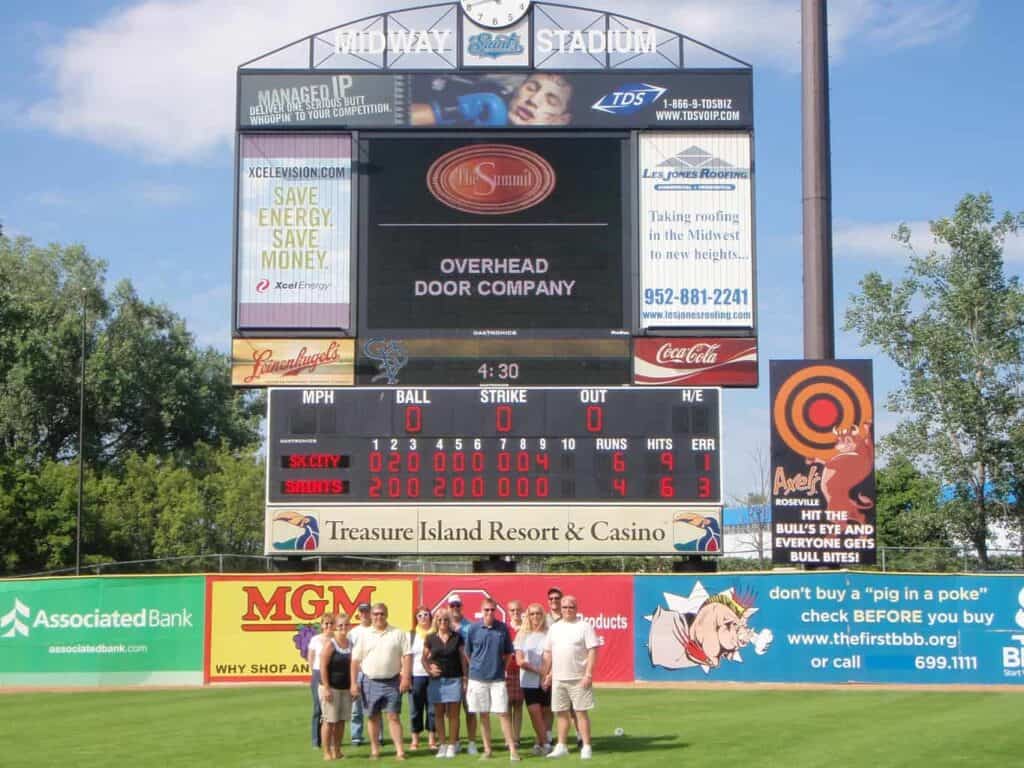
499 371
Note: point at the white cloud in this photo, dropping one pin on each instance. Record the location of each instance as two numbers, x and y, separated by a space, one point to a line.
874 242
165 195
157 78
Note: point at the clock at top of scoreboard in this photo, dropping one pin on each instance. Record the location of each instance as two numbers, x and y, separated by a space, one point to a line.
472 445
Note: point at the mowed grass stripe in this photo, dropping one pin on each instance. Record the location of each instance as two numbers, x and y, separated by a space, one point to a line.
226 727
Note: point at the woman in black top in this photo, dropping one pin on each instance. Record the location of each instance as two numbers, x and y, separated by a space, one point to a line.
446 664
336 700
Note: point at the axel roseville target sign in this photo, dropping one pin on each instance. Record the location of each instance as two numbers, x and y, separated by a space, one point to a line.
823 462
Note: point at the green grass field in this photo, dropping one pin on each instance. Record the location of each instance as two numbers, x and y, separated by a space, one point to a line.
755 728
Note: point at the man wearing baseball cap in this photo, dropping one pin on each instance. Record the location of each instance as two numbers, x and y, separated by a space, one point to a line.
460 625
554 606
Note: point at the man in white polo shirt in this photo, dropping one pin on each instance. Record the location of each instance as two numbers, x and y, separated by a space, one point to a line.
384 656
570 653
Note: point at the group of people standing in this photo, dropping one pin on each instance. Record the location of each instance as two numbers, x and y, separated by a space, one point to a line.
542 660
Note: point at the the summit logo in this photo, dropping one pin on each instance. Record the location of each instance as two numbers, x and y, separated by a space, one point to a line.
13 619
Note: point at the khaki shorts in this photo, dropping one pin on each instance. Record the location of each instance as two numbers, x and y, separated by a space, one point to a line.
339 709
483 697
566 693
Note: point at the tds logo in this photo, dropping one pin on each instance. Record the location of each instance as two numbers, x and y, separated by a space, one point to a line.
629 99
1013 655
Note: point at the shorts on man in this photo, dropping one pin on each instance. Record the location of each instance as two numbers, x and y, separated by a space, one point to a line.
381 696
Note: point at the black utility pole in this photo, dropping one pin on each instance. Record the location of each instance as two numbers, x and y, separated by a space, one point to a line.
819 312
81 448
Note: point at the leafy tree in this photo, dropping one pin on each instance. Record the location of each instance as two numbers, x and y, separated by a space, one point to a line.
154 404
954 325
149 389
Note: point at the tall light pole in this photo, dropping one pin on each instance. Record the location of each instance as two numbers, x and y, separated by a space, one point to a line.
819 312
81 448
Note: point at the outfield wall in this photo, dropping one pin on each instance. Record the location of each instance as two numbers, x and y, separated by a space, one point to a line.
750 627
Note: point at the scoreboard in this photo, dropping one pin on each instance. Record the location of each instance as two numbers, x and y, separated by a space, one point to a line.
494 469
494 445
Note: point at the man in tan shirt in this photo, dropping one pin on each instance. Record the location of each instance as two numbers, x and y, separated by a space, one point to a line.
384 656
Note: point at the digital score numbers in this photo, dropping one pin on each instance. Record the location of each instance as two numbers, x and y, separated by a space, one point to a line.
494 445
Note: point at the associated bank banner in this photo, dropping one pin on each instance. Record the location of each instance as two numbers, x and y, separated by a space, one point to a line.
259 627
696 235
102 631
294 232
830 628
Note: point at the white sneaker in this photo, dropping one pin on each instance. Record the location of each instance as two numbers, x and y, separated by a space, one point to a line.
560 750
471 749
586 752
442 752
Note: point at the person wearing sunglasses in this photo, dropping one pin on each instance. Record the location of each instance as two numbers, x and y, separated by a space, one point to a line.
554 606
515 690
529 645
316 646
570 654
335 687
384 656
420 710
447 666
488 648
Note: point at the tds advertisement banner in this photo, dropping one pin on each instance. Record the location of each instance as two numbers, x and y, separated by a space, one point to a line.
258 628
292 362
823 462
494 101
695 362
605 602
452 361
696 231
294 232
101 631
830 628
520 236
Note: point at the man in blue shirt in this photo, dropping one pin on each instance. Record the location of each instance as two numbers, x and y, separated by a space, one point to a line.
488 647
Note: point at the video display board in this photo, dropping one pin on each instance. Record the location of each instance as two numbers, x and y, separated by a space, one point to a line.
623 100
519 236
294 232
696 235
823 462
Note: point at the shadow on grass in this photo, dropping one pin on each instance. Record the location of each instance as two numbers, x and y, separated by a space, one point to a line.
626 743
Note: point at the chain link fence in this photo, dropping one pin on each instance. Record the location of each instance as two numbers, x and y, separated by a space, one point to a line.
890 559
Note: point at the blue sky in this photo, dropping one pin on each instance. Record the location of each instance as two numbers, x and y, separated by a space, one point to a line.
116 125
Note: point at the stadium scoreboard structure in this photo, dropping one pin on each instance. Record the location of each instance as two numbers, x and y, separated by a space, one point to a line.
496 269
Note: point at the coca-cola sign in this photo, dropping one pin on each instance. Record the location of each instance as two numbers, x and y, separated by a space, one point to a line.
491 179
693 362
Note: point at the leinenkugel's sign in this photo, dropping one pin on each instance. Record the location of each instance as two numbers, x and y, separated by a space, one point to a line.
528 227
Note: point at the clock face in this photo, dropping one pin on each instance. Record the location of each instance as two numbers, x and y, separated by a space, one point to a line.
495 13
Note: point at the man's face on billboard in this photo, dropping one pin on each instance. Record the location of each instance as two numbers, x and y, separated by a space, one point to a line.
541 100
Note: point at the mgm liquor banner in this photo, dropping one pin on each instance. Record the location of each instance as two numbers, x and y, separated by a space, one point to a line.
823 462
